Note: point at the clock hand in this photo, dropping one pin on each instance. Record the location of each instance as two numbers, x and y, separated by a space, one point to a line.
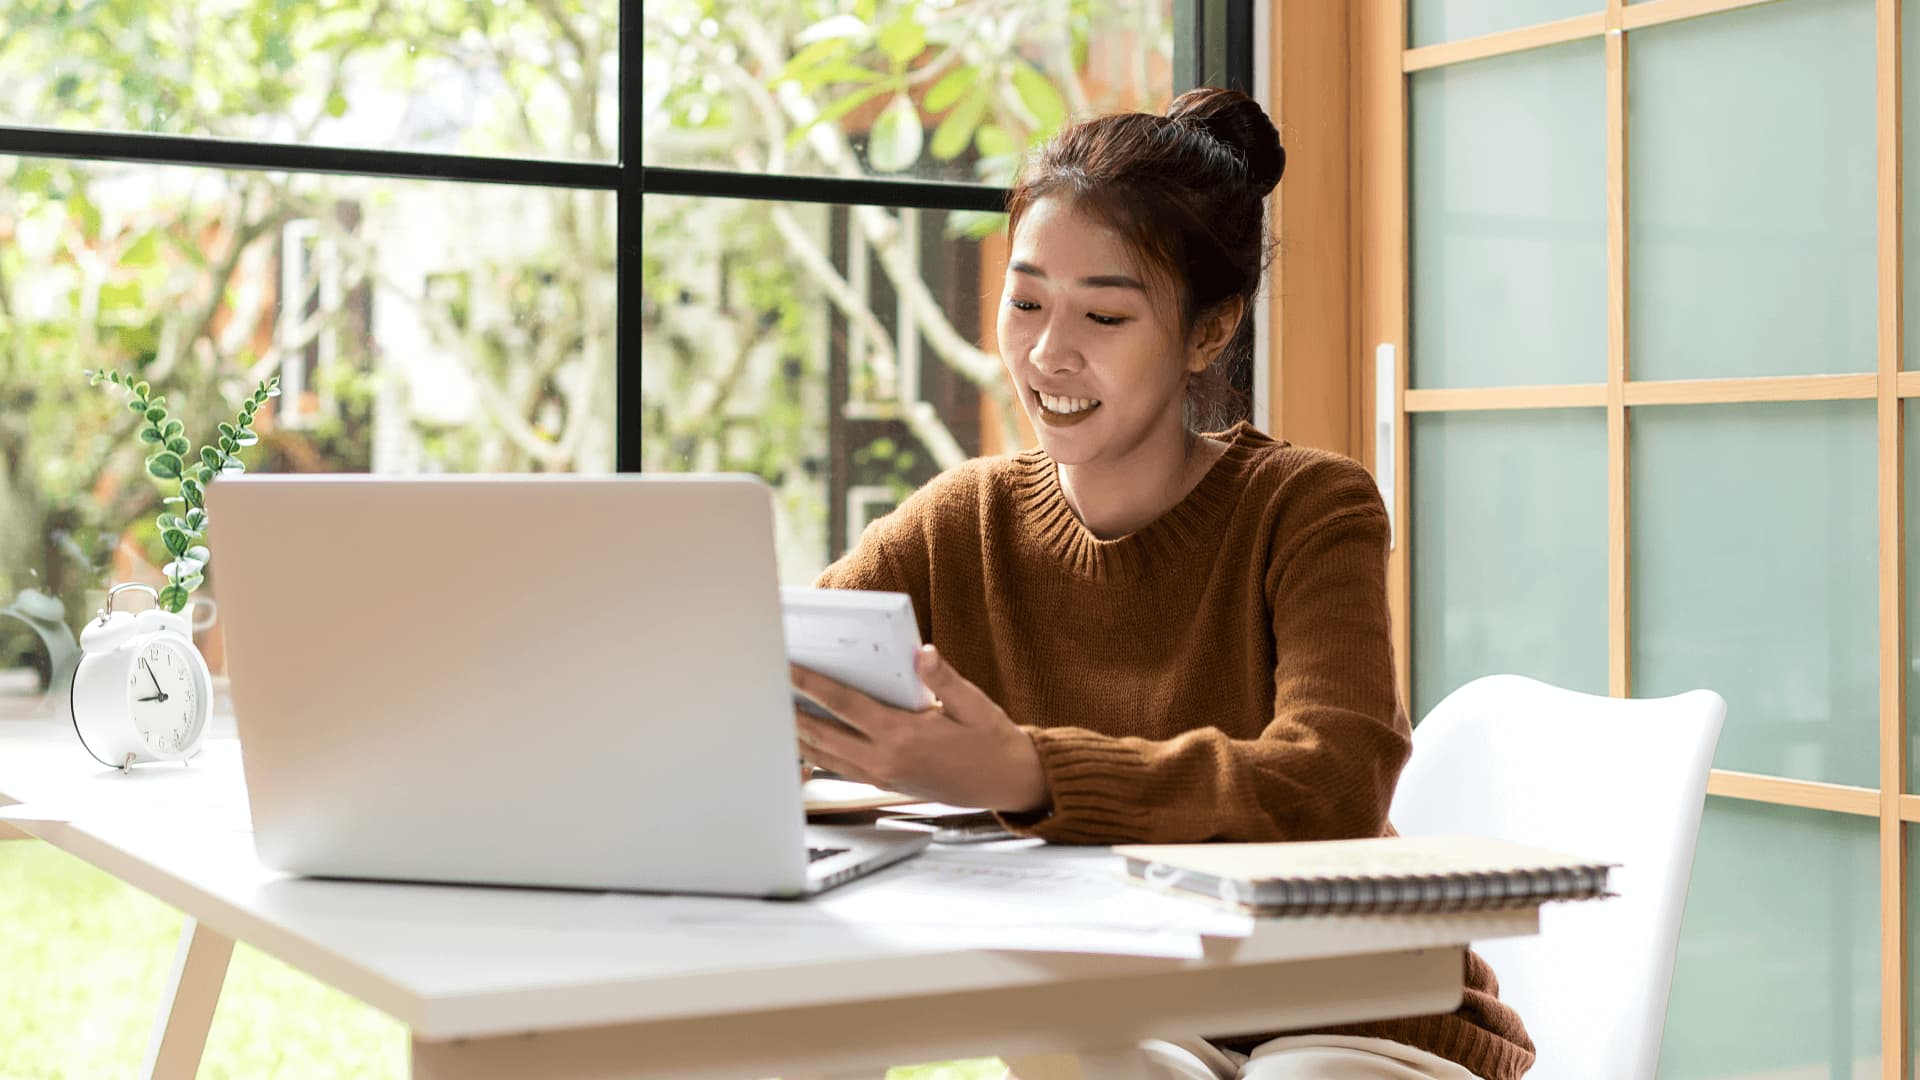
156 697
148 668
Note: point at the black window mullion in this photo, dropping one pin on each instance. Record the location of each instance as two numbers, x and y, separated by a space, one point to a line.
288 157
626 260
835 190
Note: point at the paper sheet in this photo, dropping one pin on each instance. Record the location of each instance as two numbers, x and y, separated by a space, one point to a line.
1015 896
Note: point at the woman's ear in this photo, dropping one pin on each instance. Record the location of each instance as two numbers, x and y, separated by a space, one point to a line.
1212 331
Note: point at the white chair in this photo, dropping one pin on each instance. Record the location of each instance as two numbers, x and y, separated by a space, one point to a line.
1615 779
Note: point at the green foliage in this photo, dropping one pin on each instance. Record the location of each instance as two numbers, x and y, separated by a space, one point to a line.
186 567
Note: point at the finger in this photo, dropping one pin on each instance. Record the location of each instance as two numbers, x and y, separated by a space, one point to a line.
858 710
843 768
949 686
830 736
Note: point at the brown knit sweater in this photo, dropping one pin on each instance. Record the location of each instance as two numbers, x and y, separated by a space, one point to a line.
1225 673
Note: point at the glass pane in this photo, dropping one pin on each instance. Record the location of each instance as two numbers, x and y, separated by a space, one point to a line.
511 77
1509 219
1751 221
1912 834
1778 970
947 91
1509 549
1910 177
1433 21
1754 548
778 341
415 325
1910 477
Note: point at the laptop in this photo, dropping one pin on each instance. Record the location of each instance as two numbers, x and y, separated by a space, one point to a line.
561 681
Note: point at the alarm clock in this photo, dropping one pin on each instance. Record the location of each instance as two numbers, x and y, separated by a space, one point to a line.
141 691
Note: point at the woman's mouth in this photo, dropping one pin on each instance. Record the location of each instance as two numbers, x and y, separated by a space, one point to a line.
1059 411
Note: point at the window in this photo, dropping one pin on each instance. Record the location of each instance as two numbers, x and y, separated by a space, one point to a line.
427 220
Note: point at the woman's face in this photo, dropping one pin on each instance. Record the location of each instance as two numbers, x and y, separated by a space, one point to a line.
1099 363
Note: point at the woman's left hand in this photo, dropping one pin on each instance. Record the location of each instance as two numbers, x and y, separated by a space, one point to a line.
964 750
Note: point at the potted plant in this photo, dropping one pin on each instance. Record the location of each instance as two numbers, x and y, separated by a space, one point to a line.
183 515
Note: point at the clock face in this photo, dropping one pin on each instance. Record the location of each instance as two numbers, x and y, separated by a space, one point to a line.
165 696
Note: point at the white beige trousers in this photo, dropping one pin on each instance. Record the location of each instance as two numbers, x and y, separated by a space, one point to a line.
1301 1057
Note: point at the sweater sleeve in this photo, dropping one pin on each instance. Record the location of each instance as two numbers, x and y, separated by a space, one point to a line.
1323 767
894 553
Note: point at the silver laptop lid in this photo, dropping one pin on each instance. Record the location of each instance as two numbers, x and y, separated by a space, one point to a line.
557 680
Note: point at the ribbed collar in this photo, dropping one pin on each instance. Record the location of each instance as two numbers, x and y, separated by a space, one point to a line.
1193 524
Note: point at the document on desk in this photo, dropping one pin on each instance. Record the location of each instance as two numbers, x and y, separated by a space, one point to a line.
1025 897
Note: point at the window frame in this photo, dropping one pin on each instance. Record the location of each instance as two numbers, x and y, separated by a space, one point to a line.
1213 42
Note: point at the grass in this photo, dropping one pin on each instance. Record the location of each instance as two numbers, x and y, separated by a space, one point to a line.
83 959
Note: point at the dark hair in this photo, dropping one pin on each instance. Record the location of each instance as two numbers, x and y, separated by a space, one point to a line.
1187 192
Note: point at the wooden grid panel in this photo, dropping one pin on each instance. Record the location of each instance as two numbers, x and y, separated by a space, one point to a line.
1887 386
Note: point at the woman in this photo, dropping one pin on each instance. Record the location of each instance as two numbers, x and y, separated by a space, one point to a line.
1147 634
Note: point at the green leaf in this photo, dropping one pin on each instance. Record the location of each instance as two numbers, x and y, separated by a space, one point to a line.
903 39
198 553
956 131
138 405
227 445
191 491
179 445
831 113
175 541
952 87
246 438
849 27
210 457
115 376
227 430
167 521
142 389
172 428
274 390
149 434
142 252
992 140
1038 94
155 414
193 581
336 104
197 519
173 598
203 474
165 465
894 143
813 56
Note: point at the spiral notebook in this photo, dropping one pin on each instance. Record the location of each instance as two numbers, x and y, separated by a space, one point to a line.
1391 874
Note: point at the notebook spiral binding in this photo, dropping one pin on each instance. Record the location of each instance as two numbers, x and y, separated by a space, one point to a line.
1395 895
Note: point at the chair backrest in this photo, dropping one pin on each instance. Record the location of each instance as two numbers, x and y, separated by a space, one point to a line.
1615 779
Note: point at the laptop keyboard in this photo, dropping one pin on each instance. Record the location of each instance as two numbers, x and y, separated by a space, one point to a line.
815 854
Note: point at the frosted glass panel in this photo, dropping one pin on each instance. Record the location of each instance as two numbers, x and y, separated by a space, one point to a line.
1509 220
1778 970
1751 172
1754 546
1910 179
1434 21
1509 549
1910 476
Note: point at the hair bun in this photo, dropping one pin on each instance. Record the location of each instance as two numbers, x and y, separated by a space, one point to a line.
1238 121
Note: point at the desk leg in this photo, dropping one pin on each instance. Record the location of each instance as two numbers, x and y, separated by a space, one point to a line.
186 1010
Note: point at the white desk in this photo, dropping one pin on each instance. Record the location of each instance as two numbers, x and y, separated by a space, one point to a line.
519 983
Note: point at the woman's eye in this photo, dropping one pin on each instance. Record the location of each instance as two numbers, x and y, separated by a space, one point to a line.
1106 320
1023 305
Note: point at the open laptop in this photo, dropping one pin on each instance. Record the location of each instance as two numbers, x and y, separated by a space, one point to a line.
556 681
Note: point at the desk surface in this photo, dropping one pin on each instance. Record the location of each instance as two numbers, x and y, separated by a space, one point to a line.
457 962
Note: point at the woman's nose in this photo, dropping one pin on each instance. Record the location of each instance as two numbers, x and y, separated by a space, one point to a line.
1054 351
